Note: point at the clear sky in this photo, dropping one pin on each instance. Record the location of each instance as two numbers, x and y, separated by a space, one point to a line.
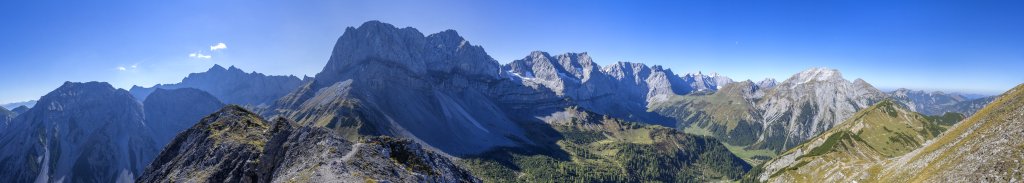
969 45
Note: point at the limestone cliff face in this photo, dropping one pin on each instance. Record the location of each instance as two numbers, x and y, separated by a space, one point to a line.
809 103
235 145
620 90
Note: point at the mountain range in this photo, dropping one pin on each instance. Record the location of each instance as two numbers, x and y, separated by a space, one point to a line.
392 104
231 85
775 117
939 103
11 106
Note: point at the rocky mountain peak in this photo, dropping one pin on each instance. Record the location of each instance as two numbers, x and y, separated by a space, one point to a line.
575 67
816 74
706 82
623 69
767 83
861 82
217 68
377 48
74 88
235 69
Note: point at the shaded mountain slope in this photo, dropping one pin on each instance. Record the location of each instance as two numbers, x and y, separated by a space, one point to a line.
169 112
80 132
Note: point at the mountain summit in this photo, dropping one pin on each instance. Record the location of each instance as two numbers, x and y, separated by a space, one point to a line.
437 89
407 50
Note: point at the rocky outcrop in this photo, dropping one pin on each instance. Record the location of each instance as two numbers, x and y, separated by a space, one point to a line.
80 132
169 112
235 145
232 86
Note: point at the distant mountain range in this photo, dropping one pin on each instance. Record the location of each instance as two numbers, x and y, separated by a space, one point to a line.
392 104
28 104
231 85
938 103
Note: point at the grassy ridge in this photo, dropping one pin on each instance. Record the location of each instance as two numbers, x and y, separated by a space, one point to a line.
882 131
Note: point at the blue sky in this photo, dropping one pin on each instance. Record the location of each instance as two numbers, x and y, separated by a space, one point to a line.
971 46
